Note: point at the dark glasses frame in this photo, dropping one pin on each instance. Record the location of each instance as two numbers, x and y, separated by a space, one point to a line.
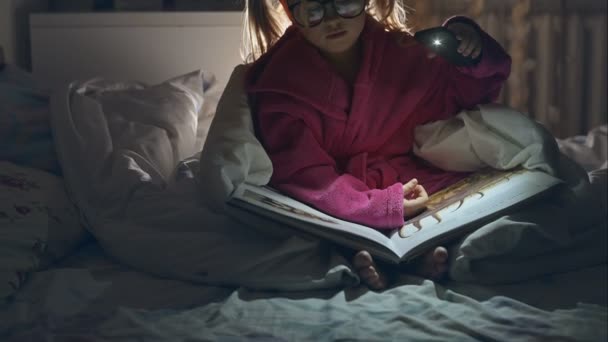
323 4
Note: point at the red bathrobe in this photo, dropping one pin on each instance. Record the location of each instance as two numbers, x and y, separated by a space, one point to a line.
346 148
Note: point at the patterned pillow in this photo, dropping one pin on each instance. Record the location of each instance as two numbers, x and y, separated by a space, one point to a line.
25 132
38 224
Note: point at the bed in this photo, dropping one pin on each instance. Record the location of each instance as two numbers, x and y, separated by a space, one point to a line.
97 287
91 297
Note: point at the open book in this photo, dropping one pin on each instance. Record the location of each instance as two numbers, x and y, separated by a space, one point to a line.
453 211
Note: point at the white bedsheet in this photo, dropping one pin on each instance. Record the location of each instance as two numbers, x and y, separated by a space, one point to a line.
92 298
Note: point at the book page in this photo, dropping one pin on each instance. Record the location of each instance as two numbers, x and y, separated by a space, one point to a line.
483 195
287 210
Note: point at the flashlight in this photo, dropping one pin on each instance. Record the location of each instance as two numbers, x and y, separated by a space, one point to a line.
444 43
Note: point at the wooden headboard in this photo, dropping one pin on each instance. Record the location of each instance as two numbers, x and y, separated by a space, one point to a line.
143 46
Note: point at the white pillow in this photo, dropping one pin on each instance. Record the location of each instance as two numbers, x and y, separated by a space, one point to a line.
183 107
38 224
232 154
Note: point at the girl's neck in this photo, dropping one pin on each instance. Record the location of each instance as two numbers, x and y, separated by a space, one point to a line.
346 63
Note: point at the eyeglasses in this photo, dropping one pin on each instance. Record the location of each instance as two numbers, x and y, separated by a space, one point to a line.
311 13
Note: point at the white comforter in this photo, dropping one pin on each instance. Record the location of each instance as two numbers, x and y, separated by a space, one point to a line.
147 212
563 232
422 312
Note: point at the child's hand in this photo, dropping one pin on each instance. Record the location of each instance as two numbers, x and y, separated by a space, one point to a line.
470 39
414 198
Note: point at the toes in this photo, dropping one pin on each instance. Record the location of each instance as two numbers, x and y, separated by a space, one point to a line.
368 271
374 280
440 255
377 282
440 264
362 260
433 265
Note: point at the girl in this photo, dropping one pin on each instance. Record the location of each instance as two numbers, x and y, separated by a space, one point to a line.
336 99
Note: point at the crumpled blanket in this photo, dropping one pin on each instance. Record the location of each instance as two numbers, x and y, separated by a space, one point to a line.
421 312
129 155
563 232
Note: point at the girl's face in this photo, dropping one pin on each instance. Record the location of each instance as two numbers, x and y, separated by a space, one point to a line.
334 34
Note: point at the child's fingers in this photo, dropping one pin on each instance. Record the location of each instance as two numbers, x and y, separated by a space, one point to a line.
410 186
476 52
461 46
421 191
465 45
416 202
467 35
457 29
475 42
413 207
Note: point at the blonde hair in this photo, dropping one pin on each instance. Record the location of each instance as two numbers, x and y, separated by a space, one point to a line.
265 21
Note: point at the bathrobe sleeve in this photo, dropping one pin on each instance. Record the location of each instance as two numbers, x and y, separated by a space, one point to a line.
309 174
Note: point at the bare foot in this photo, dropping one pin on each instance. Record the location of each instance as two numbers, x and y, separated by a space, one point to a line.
369 272
432 265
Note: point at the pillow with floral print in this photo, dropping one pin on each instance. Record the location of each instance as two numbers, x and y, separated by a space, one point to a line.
38 224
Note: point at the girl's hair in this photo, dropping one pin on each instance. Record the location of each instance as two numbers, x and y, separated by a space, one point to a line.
265 22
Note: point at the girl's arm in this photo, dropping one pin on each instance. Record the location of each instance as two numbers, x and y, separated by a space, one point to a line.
306 172
455 88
